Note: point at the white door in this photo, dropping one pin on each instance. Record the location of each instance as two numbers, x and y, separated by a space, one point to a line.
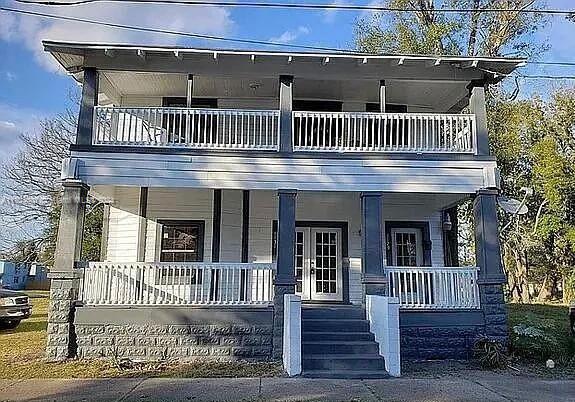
407 251
318 264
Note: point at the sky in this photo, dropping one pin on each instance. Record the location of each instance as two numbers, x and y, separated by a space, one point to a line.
33 88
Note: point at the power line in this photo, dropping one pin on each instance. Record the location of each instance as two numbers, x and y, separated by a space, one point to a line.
177 33
240 40
313 6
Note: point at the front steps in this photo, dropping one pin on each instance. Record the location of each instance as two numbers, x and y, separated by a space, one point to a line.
336 343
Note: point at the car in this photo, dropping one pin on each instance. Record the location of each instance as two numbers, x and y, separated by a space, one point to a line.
14 307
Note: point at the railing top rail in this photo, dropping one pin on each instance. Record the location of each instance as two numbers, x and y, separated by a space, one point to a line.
176 108
369 114
206 264
405 268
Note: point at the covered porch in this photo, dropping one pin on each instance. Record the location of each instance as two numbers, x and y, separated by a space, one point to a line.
202 247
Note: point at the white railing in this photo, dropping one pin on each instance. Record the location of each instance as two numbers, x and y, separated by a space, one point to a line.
183 127
434 287
384 132
177 284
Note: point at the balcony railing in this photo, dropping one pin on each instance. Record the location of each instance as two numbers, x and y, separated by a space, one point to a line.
182 127
177 284
383 132
259 130
434 287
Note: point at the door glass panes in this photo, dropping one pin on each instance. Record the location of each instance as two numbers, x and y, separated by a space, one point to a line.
326 262
406 249
299 257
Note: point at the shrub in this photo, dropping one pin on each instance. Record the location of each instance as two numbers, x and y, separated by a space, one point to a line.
490 353
535 339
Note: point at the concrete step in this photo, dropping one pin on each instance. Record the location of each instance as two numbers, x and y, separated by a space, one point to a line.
335 325
337 336
356 362
339 347
346 374
333 312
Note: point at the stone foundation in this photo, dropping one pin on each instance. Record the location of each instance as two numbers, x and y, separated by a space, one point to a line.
438 335
437 343
230 336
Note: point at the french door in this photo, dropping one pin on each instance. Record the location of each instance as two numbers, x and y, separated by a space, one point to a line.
318 263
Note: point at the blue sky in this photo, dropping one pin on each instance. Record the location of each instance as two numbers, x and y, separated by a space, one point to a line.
31 87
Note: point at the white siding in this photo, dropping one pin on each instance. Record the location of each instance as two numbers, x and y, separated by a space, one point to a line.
195 204
231 228
123 225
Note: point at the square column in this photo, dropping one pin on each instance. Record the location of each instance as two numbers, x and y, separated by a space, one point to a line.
478 108
284 281
65 278
488 258
87 104
286 108
373 276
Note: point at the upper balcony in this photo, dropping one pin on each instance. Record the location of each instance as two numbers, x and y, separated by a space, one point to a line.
229 100
235 129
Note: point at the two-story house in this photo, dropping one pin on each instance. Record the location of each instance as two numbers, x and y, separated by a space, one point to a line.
232 178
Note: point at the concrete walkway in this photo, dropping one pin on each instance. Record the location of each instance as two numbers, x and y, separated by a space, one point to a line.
470 386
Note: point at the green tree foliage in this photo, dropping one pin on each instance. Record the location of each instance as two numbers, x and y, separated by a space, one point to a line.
426 31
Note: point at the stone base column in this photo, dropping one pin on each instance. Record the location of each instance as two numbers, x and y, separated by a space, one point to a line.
61 342
278 328
494 311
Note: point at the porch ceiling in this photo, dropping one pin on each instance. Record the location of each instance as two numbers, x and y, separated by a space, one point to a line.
431 201
122 87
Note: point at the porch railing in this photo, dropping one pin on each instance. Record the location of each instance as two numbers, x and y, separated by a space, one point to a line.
259 130
434 287
177 284
383 132
185 127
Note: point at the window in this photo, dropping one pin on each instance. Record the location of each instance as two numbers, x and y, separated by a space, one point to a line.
182 241
16 279
406 247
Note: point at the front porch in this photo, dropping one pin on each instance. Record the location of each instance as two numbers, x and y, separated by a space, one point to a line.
176 246
192 273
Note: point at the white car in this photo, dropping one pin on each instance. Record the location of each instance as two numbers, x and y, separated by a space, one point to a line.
14 307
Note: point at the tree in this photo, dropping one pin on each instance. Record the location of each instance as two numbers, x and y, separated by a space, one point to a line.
32 186
427 31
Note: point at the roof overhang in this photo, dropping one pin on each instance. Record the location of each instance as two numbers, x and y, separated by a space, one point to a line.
317 65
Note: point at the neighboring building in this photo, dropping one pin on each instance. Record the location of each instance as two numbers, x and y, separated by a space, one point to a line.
13 275
20 276
232 178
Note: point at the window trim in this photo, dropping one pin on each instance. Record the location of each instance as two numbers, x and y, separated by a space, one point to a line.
425 239
182 222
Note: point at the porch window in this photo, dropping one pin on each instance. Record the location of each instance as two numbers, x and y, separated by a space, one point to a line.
182 241
407 250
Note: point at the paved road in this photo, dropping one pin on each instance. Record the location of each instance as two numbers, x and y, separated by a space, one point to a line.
470 386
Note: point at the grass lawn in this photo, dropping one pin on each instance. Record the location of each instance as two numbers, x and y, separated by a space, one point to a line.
22 357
